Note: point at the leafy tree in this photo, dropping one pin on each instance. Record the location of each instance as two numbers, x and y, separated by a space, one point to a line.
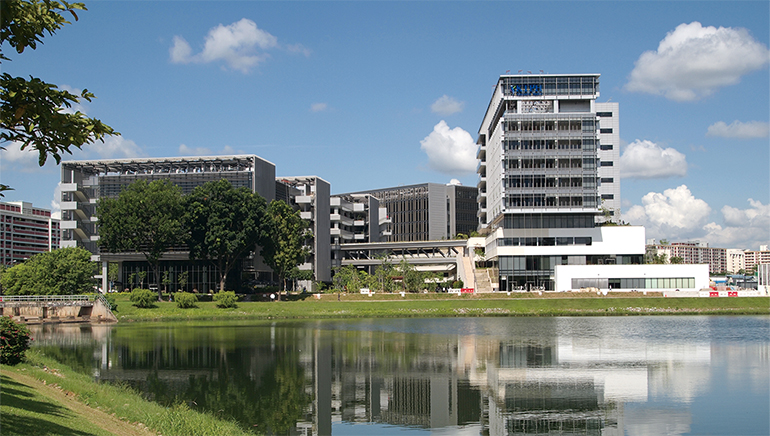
347 278
384 275
35 114
144 218
64 271
297 274
166 280
14 341
183 278
413 280
112 273
284 248
225 224
142 275
431 280
653 256
676 260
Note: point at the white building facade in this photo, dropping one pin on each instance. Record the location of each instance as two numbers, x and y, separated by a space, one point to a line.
641 278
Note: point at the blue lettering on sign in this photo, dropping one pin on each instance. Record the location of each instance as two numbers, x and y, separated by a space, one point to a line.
525 90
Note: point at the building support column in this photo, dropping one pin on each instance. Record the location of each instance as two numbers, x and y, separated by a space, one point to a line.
105 280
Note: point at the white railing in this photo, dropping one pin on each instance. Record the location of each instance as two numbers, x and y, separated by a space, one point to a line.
43 298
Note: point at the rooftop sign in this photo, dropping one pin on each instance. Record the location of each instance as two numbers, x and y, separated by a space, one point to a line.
526 90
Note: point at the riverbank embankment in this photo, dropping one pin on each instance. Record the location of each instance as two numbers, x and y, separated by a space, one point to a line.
434 305
44 396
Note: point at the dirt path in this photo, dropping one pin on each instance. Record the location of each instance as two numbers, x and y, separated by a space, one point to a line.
102 419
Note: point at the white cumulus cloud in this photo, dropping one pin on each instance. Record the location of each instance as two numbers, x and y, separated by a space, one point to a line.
56 202
742 228
114 147
644 159
677 215
450 151
318 107
240 45
446 105
673 214
740 130
184 150
693 61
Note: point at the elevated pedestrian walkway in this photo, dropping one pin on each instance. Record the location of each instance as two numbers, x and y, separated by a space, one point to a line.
38 309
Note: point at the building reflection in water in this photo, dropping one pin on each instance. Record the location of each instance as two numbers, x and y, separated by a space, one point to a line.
545 379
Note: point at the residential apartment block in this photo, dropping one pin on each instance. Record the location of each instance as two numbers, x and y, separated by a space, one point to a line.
754 258
694 253
25 231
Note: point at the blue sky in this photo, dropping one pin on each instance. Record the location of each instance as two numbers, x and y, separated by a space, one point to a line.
377 94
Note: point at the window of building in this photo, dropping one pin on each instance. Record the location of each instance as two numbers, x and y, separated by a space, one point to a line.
604 114
608 180
605 130
607 163
606 147
608 196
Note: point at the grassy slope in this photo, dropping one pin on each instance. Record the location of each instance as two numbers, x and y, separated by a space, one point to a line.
27 410
356 306
126 404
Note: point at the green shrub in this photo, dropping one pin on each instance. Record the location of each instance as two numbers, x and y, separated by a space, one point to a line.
111 302
457 284
143 298
14 341
226 299
185 300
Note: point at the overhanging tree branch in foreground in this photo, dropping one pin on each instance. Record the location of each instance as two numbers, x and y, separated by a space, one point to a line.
34 114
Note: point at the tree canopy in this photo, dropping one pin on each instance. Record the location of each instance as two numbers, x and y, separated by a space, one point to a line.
225 224
65 271
35 114
144 218
285 248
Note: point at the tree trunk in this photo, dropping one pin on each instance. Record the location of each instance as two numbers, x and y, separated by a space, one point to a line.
155 268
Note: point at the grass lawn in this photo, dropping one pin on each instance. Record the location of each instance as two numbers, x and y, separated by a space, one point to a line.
44 397
26 411
429 305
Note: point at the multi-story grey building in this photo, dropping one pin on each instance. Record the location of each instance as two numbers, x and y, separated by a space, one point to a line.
310 195
607 115
356 218
547 167
83 183
428 211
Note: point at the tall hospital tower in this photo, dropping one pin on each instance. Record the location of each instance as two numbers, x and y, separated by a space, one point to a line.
548 176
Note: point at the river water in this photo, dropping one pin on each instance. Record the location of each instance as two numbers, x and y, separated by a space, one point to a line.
449 376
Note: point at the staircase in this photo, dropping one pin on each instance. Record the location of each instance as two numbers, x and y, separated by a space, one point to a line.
483 282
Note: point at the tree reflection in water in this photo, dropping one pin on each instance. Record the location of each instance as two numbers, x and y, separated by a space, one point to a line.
587 376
